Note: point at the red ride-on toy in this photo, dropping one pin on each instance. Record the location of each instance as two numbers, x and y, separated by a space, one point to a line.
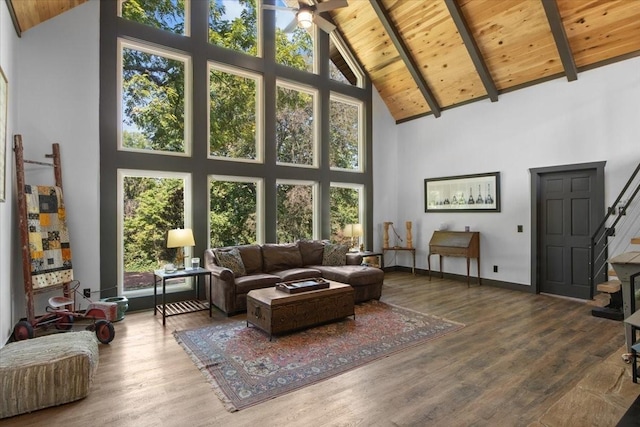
46 255
62 315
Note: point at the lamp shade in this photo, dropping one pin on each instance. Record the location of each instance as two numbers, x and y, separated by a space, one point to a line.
180 237
353 230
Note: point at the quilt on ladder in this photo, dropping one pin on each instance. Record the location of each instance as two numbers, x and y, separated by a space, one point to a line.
49 247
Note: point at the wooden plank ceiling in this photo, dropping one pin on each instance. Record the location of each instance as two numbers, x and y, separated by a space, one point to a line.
27 14
427 56
467 50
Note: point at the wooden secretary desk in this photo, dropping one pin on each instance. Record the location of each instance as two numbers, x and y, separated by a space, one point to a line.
456 244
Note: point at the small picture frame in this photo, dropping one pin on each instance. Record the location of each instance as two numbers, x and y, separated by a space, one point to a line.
463 193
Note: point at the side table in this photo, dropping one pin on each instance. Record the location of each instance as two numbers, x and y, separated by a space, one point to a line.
182 307
378 255
411 250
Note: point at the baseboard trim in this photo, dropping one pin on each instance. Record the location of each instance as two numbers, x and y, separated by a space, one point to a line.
463 278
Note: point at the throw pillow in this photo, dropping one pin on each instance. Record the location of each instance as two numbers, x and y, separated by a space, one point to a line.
334 254
231 260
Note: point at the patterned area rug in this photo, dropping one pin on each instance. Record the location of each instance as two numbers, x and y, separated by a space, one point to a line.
245 368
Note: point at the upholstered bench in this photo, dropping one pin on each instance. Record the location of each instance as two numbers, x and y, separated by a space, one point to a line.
46 371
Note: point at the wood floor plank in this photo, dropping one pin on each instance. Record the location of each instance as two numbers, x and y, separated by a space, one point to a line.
518 355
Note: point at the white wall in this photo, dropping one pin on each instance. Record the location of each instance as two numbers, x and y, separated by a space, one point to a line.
56 78
596 118
8 232
385 167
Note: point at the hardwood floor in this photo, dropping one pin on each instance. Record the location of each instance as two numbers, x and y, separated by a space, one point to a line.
521 360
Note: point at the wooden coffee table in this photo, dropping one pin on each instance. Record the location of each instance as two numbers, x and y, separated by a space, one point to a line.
277 312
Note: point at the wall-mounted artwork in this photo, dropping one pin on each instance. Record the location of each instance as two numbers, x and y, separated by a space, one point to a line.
464 193
4 99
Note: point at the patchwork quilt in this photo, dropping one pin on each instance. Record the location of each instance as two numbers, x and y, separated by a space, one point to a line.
48 236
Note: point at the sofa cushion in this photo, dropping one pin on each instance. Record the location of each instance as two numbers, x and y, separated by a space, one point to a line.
252 258
297 274
311 251
280 256
354 275
334 254
232 260
245 284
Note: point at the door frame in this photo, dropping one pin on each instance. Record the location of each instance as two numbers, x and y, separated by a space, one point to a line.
536 179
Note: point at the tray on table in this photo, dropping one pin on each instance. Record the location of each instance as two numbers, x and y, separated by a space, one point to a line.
302 285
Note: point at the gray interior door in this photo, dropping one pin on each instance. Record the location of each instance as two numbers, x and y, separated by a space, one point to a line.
569 211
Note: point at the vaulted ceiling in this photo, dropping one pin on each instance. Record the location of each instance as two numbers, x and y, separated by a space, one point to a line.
27 14
427 56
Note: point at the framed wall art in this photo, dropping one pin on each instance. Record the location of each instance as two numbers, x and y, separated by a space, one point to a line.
4 99
463 193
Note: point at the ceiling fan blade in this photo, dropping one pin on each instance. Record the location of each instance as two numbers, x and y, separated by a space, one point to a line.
276 8
292 25
330 5
326 26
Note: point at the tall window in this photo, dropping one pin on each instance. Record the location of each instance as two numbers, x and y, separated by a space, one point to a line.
347 207
345 133
235 211
296 210
234 24
235 113
151 204
295 124
154 99
168 15
206 125
295 46
342 65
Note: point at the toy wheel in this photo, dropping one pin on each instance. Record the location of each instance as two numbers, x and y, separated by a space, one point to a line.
22 331
64 322
105 331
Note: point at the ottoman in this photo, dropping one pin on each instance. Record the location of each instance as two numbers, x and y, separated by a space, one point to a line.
365 281
46 371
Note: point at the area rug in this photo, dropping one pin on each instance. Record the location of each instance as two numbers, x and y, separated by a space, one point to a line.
245 368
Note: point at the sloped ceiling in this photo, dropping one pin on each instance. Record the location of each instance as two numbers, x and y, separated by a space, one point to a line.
29 13
427 56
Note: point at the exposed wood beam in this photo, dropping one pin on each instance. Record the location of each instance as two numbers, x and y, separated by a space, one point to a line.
410 63
14 18
560 37
472 48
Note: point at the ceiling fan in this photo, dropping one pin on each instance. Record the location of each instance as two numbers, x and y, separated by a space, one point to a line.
308 14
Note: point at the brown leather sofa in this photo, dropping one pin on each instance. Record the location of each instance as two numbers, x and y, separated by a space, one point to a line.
265 265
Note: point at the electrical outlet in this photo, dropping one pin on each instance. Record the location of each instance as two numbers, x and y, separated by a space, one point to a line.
495 268
86 292
519 229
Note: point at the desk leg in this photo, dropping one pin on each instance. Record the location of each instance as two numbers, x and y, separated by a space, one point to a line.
478 262
468 280
441 273
413 270
429 265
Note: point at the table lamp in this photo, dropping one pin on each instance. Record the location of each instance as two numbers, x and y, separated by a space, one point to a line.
179 238
354 231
